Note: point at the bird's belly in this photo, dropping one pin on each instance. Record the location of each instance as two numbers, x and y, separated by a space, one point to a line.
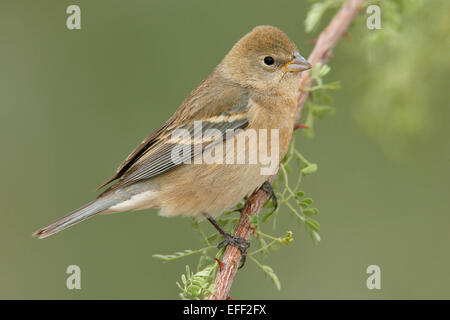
198 189
194 190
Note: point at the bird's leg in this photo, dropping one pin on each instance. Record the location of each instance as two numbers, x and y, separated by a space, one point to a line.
268 189
229 239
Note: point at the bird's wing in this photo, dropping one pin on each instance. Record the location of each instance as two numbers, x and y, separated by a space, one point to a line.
137 153
220 109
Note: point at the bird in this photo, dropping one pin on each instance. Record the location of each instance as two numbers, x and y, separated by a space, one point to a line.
254 88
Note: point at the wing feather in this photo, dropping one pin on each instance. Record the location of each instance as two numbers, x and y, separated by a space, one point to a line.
222 109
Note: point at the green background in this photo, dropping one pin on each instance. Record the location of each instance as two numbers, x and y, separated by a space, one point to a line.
73 104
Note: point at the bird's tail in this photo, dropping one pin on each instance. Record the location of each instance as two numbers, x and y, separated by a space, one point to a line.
87 211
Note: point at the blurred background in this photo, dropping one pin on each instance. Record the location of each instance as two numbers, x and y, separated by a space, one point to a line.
73 104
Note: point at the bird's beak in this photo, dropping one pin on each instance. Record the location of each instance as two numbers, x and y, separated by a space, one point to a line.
297 64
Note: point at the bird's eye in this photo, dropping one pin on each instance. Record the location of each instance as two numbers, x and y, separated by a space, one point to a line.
269 61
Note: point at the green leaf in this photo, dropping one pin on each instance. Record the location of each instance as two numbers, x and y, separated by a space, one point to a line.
223 222
197 282
310 169
336 85
315 236
198 285
327 99
188 272
161 257
263 244
306 202
194 291
267 216
203 273
177 255
299 194
313 224
310 211
213 237
269 204
309 132
269 272
315 14
322 70
322 111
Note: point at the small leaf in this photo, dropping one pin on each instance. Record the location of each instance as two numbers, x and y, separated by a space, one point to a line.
269 272
310 123
315 236
310 169
315 14
313 224
267 216
336 85
311 211
299 194
327 99
188 272
197 282
321 111
263 244
204 273
306 202
323 70
269 204
194 291
232 220
160 256
223 222
213 237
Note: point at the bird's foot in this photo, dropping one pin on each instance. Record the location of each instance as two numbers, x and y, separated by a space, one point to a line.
237 242
268 189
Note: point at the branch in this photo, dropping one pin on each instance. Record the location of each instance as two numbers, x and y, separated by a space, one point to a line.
321 53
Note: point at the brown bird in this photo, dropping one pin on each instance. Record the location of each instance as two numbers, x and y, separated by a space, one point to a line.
251 93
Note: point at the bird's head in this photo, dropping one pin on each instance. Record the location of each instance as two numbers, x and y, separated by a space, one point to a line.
265 58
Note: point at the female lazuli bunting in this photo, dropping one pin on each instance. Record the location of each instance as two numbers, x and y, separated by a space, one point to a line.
254 89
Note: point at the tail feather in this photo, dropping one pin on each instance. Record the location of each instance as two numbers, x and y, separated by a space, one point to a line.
83 213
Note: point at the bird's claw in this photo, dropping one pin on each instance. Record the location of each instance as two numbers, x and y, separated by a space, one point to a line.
237 242
268 189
